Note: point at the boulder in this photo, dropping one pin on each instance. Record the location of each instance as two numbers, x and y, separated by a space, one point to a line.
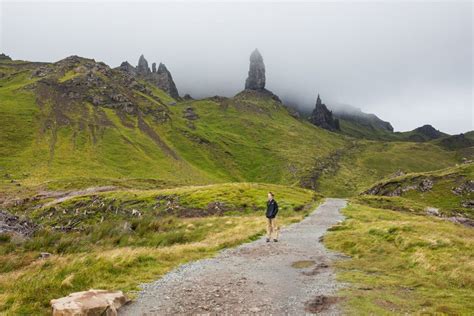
153 67
256 77
189 114
90 303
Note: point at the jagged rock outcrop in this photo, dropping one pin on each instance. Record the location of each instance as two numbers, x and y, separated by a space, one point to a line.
425 132
142 68
255 83
165 82
160 77
126 67
4 57
323 118
256 76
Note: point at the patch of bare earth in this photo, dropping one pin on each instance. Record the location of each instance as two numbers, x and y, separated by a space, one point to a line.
289 277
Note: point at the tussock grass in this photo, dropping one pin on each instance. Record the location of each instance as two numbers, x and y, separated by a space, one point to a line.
403 263
124 251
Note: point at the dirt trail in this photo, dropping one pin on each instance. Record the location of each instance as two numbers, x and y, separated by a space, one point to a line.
291 277
60 197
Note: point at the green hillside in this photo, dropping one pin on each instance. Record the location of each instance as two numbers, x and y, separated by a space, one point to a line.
97 240
121 183
54 136
450 190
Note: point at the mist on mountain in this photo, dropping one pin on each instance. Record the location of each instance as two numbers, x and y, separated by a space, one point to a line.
389 58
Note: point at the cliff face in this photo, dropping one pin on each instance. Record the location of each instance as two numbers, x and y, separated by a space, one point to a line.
350 113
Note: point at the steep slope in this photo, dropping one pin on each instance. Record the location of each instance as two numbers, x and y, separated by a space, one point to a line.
78 119
359 124
78 123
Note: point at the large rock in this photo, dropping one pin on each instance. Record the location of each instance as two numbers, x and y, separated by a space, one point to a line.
126 67
142 67
90 303
256 78
160 77
165 82
323 118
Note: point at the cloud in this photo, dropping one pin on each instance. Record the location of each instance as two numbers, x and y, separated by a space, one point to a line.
409 63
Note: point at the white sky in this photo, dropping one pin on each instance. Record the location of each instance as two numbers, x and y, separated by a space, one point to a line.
408 62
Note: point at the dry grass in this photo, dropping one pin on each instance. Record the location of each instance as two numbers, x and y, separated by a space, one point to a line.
404 263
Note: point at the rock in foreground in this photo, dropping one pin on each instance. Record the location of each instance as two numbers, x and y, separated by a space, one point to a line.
90 303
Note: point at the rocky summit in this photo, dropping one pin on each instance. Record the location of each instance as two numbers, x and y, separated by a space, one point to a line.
322 117
160 77
142 67
256 78
428 132
164 81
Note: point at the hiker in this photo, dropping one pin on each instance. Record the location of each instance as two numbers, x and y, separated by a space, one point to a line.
272 210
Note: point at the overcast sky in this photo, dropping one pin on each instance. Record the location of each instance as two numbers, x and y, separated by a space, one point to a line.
409 63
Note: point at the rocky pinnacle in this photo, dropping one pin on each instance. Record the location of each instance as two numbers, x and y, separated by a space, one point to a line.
322 117
142 67
256 78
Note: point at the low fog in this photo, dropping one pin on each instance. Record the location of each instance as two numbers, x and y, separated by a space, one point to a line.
409 63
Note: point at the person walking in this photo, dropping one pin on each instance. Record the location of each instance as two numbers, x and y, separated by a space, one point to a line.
272 210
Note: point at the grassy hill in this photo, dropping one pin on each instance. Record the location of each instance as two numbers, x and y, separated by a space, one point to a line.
450 190
78 123
403 263
97 240
121 182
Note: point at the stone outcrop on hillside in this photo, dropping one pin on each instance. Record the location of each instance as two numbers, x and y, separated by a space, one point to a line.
126 67
4 57
161 76
164 81
323 118
256 76
255 82
428 132
142 67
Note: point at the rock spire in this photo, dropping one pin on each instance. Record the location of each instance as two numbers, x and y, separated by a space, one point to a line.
256 77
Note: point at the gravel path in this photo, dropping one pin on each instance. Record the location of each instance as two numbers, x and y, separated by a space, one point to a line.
291 277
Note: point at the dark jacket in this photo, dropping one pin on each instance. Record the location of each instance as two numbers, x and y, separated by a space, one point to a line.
272 209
